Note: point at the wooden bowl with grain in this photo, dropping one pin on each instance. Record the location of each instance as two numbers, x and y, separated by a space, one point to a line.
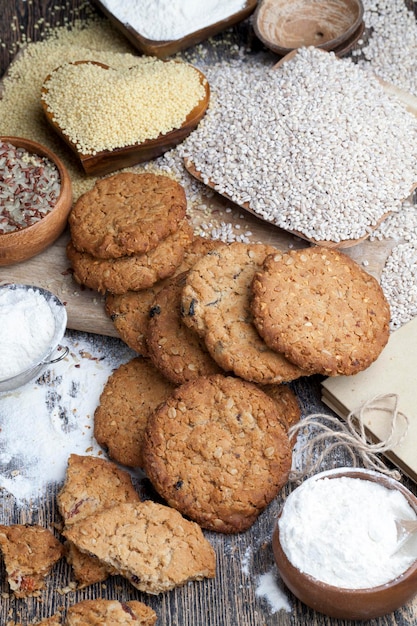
31 221
285 25
99 162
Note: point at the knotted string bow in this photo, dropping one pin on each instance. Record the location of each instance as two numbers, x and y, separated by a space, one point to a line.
351 436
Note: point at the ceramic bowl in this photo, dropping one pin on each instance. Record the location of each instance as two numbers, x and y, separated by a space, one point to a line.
342 603
53 352
285 25
23 244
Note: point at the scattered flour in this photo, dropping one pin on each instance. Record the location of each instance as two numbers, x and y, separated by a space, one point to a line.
246 561
269 588
45 421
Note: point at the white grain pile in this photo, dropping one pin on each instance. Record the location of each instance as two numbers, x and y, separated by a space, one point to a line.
399 283
391 51
315 146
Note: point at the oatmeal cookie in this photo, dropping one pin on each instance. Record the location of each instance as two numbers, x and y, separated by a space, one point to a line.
216 450
150 544
126 214
101 612
91 484
129 311
54 620
289 409
216 304
133 272
29 552
176 350
321 309
130 395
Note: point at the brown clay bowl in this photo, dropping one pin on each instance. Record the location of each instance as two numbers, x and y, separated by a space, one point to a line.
23 244
285 25
108 161
349 604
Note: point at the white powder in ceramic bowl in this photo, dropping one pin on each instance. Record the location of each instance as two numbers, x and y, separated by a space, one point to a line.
341 530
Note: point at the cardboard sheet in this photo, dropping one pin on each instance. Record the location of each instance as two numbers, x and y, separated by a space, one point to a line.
394 372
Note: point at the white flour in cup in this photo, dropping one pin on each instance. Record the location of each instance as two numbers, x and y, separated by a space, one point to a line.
342 531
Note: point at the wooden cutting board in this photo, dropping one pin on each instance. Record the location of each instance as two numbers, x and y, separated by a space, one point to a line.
51 270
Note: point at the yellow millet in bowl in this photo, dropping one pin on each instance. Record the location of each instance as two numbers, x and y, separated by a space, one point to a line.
103 108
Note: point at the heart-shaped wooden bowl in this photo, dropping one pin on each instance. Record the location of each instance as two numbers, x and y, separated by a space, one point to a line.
107 161
23 244
164 49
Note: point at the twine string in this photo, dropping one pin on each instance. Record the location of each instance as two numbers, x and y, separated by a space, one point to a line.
351 436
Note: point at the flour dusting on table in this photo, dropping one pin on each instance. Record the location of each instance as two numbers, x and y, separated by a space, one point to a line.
46 420
269 588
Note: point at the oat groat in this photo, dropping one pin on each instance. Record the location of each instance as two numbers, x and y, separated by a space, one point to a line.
126 213
176 350
101 612
130 395
131 272
29 552
217 451
129 311
321 309
216 304
150 544
91 484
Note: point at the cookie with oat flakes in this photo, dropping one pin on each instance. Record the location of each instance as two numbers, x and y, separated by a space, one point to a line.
217 451
321 309
216 304
176 350
30 551
129 311
54 620
110 613
131 273
289 409
150 544
91 484
127 214
130 395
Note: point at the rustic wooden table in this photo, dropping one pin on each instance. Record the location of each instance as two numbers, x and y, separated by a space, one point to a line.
234 597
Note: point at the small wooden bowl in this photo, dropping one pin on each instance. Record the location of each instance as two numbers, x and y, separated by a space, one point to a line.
108 161
164 49
349 604
285 25
23 244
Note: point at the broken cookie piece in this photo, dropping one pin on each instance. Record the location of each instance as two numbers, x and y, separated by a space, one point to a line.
29 552
150 544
